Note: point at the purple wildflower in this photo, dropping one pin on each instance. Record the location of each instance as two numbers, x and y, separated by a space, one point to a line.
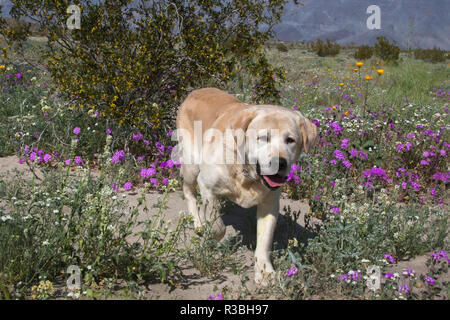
344 143
376 173
390 258
435 256
118 156
438 176
159 146
415 185
292 271
32 156
76 130
430 280
433 192
128 185
347 164
408 146
335 209
409 272
404 288
145 173
78 161
338 154
213 297
342 277
443 254
356 276
138 136
363 155
336 127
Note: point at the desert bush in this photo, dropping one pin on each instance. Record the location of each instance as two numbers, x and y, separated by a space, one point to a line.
363 53
385 50
434 55
125 58
327 48
282 47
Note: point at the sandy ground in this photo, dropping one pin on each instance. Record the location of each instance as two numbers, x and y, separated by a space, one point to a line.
194 286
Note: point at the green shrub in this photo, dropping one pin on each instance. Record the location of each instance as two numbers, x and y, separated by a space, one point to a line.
363 53
434 55
125 58
282 47
385 50
327 48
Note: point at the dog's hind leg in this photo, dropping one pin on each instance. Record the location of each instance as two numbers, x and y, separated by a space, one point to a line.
189 173
210 212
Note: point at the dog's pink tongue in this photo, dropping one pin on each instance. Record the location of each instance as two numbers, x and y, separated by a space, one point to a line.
275 180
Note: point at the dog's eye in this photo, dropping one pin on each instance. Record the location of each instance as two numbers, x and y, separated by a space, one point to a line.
289 140
263 138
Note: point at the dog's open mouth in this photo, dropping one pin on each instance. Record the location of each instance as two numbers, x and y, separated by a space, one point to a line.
274 181
271 181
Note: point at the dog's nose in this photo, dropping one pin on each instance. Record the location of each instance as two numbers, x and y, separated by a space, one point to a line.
282 164
274 166
278 164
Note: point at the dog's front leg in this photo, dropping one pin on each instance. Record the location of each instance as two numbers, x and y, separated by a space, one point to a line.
267 214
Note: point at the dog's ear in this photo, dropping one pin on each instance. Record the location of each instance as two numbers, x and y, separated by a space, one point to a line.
239 124
308 131
242 119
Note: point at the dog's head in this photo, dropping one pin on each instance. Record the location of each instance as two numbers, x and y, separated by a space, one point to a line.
274 139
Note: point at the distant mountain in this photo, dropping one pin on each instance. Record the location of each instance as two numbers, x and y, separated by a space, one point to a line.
418 23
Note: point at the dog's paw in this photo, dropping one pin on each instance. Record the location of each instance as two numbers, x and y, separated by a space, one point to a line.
264 273
218 229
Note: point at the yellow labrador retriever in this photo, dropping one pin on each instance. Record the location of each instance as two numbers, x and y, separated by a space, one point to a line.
240 151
